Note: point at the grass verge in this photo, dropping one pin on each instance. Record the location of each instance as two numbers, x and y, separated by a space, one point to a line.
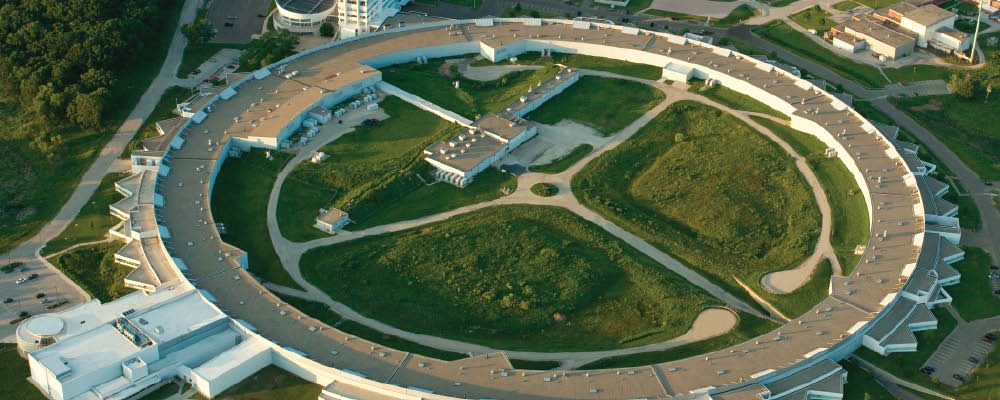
94 269
396 342
272 383
973 296
164 110
239 201
620 67
94 219
733 99
14 374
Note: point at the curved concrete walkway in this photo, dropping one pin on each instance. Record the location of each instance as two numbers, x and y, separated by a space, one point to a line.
290 253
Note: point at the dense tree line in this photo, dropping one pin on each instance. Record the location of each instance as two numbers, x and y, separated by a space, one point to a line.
59 58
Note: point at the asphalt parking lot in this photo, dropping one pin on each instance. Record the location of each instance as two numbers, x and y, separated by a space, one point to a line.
242 14
961 352
23 295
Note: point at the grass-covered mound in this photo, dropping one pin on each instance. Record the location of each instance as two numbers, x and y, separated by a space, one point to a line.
544 189
434 82
513 277
372 173
704 187
607 104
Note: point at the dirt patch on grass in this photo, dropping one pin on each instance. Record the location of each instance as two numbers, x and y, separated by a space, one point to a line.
930 106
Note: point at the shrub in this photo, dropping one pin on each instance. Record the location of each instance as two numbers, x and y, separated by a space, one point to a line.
544 189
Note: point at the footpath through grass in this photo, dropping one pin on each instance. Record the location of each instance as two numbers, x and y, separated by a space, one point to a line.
94 269
94 219
486 277
368 169
748 328
434 82
33 185
704 187
967 127
14 374
733 99
803 299
848 209
239 201
563 163
973 296
620 67
606 104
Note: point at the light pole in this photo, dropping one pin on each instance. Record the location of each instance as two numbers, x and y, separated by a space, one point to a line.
975 36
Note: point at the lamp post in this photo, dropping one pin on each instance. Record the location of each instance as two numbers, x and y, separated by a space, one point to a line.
975 36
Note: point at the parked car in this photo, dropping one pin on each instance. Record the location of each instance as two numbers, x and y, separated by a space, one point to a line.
990 336
32 276
994 275
958 377
997 292
927 370
40 295
21 280
369 122
8 301
227 24
974 360
994 267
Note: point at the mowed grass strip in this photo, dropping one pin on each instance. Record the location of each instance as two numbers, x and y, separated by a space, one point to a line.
784 35
434 82
967 127
272 383
14 373
563 163
748 328
606 104
733 99
239 201
620 67
94 219
848 209
518 277
704 187
368 169
93 268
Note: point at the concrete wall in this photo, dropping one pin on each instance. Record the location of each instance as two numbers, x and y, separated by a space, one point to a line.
422 104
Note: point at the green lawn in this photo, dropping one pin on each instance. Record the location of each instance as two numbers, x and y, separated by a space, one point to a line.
272 383
620 102
973 295
164 110
474 97
748 328
918 73
442 196
733 99
784 35
967 127
861 384
846 5
370 170
814 17
849 212
487 277
655 185
94 219
396 342
534 365
563 163
906 365
314 309
33 186
239 200
968 213
14 375
94 269
805 297
621 67
195 55
738 15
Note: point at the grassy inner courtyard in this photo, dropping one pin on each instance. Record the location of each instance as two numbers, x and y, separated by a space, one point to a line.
606 104
372 173
513 277
709 190
621 67
94 269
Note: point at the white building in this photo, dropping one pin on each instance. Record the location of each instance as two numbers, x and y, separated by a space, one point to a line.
331 220
359 16
303 16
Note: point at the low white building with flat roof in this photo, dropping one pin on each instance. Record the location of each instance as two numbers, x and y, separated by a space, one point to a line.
331 220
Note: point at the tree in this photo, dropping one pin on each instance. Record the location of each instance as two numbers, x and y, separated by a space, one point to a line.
267 49
679 137
963 86
326 29
199 32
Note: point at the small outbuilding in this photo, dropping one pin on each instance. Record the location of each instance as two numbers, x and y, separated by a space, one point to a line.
331 220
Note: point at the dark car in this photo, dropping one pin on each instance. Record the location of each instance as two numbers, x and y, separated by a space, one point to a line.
369 122
32 276
227 24
974 360
927 370
958 377
997 292
9 300
990 336
994 267
40 295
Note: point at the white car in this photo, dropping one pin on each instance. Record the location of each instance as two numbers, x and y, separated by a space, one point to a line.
21 280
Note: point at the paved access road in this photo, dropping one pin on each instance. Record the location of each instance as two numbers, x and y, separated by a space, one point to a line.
953 355
107 161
